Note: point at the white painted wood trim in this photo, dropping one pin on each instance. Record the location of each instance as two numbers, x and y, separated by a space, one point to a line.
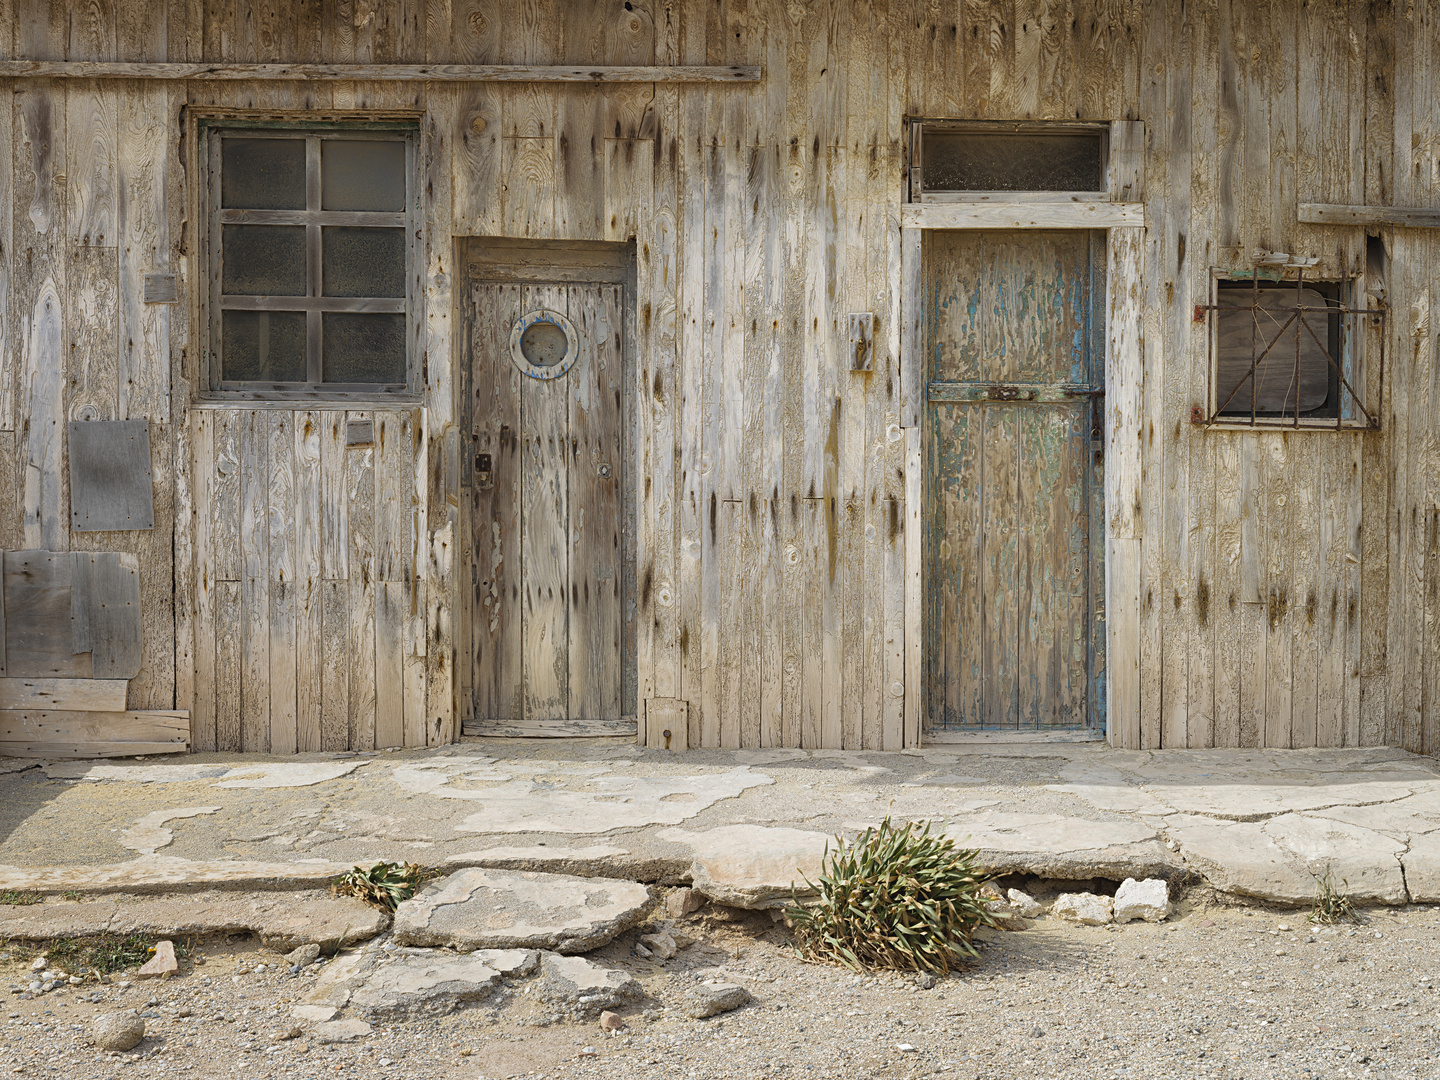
1023 215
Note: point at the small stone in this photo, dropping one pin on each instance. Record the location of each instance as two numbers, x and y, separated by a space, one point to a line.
907 1048
163 964
925 981
117 1031
338 1031
588 1052
39 964
682 902
1148 900
1087 909
75 980
314 1014
610 1021
713 997
286 1035
304 956
576 987
661 944
642 951
1025 904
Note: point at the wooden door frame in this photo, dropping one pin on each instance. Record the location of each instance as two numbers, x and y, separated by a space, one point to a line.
1123 218
510 260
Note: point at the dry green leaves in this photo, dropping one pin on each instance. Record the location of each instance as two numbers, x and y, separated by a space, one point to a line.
895 897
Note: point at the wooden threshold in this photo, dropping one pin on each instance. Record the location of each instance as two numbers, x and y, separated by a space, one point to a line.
529 73
625 727
1062 735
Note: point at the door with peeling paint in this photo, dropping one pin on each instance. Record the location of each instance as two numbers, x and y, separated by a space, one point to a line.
546 484
1013 584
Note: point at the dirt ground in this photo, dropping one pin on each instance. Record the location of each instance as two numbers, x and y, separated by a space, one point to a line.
1217 991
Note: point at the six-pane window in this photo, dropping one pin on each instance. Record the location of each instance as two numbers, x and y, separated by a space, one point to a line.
310 259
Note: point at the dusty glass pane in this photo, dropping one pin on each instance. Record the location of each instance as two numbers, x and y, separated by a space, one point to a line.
263 260
358 174
363 262
544 344
262 174
262 346
985 161
364 348
1244 324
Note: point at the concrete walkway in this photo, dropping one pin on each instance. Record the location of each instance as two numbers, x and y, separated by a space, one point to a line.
738 824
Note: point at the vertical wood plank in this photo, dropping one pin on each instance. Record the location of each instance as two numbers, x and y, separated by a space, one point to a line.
203 699
360 496
144 182
281 583
595 484
309 604
254 495
390 605
545 523
336 661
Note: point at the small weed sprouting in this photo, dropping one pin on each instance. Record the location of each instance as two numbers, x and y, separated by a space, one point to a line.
15 898
1332 905
103 954
385 884
897 898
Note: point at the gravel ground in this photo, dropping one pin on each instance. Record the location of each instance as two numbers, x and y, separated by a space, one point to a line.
1216 992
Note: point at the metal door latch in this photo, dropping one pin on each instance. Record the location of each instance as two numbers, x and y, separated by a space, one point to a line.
484 471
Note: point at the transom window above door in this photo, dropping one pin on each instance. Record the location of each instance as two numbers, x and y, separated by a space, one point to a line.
975 160
311 245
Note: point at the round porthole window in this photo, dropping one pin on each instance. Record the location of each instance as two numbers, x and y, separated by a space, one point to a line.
544 344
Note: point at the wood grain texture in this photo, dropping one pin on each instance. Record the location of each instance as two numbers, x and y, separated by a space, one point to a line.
425 73
70 695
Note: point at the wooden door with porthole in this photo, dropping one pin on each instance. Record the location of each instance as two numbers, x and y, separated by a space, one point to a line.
547 489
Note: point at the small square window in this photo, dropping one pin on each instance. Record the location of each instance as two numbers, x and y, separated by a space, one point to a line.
1290 352
1290 337
310 260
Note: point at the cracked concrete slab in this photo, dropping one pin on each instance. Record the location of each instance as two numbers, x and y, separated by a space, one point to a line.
149 835
506 909
1282 858
408 983
753 866
282 921
279 774
600 808
154 872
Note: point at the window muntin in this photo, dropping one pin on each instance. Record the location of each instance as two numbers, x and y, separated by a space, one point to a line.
310 250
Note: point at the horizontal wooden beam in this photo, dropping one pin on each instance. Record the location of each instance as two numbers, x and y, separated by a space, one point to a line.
1415 217
70 733
528 73
626 727
82 695
1023 215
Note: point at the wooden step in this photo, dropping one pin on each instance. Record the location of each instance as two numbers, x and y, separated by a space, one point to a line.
74 733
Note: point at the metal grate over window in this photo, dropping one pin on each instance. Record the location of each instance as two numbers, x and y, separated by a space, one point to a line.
310 255
1291 353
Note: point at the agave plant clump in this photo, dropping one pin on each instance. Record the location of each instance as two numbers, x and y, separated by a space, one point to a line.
385 884
896 897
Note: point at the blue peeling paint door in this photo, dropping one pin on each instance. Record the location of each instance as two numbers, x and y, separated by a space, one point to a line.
1014 346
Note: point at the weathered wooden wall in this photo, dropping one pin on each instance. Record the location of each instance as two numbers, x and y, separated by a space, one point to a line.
1288 583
